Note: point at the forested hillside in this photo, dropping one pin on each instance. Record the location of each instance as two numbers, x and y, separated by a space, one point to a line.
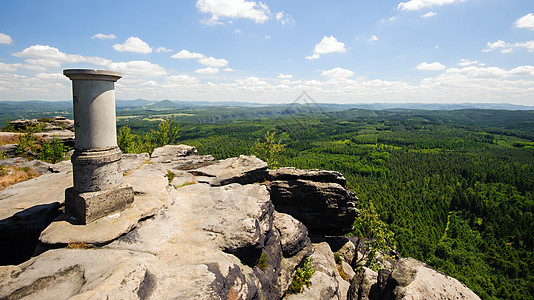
456 187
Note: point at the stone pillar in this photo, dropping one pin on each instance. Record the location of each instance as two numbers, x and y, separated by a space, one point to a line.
98 190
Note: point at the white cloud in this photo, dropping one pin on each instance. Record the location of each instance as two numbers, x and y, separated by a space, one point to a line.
435 66
5 39
285 76
46 56
267 36
238 31
251 82
428 14
337 73
8 67
466 62
133 44
102 36
54 77
327 45
207 70
256 11
184 54
181 79
526 21
213 62
284 18
228 70
493 72
419 4
508 47
373 38
138 68
163 49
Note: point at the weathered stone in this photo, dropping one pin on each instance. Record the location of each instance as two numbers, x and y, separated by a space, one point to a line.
65 136
294 235
132 161
90 206
348 270
242 169
412 279
180 157
290 173
326 283
326 208
363 285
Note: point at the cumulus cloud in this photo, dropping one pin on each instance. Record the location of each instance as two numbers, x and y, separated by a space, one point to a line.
213 62
46 56
233 9
5 39
466 62
102 36
493 72
285 76
228 70
504 47
181 79
428 14
184 54
419 4
207 70
133 44
327 45
526 21
336 73
8 67
435 66
162 49
138 68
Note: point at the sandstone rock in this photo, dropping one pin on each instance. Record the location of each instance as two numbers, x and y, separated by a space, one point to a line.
344 246
294 235
150 188
326 208
242 169
9 149
65 136
348 270
363 285
326 283
290 173
412 279
179 157
132 161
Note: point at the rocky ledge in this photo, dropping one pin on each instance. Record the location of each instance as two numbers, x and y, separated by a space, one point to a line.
229 229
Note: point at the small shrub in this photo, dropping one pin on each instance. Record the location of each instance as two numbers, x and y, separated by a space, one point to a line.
26 143
53 151
262 262
44 120
302 276
3 155
338 258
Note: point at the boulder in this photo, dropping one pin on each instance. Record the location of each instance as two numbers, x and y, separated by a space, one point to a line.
412 279
242 169
325 208
179 157
290 173
65 136
326 283
363 285
294 235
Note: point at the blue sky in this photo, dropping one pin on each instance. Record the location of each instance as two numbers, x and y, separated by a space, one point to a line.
431 51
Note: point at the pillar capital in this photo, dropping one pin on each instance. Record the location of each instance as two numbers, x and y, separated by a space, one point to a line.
89 74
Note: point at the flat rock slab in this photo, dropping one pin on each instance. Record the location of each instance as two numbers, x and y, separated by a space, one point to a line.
179 157
290 173
151 194
242 169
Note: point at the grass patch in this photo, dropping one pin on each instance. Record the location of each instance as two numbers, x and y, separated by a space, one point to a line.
13 175
262 262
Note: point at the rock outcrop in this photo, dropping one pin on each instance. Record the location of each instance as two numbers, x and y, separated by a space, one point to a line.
217 231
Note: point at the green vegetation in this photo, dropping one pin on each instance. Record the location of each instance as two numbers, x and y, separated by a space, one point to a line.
166 134
262 262
52 152
302 276
27 142
454 189
269 150
170 175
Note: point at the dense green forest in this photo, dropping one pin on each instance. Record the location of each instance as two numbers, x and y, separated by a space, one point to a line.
455 187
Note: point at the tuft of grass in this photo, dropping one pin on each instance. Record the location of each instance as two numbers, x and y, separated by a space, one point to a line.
302 276
170 175
79 245
184 184
262 262
10 176
338 258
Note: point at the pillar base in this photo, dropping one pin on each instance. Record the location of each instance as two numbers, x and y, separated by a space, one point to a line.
90 206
